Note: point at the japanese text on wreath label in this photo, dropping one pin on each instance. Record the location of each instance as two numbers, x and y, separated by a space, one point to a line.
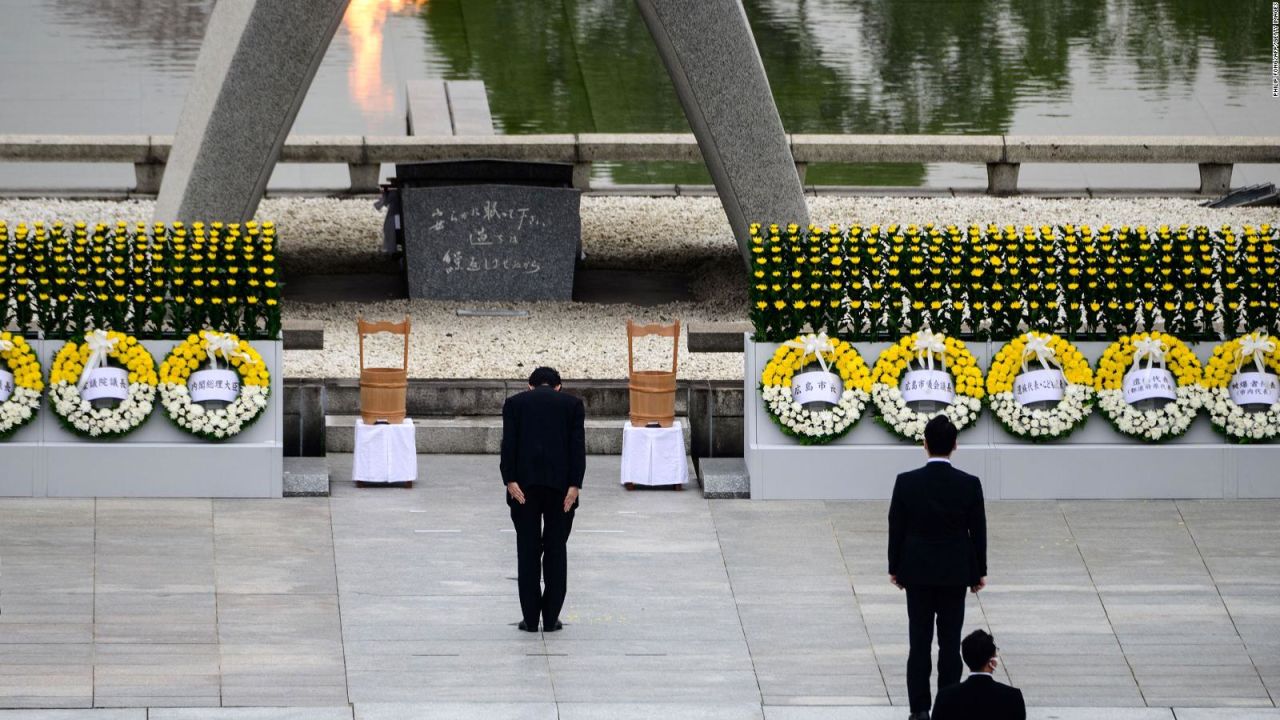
1254 388
931 385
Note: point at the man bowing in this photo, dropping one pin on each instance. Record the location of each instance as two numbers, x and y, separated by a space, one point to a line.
544 457
937 549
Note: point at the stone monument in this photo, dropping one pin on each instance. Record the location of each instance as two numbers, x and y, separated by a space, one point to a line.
255 65
491 242
259 57
711 56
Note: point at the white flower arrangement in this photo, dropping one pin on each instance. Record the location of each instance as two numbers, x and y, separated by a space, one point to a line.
24 380
894 412
1256 351
222 423
98 348
1051 352
811 426
1152 425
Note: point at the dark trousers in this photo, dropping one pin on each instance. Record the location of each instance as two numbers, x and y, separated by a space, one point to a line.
542 530
926 605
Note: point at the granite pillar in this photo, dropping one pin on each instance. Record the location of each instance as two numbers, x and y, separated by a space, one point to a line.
711 56
256 63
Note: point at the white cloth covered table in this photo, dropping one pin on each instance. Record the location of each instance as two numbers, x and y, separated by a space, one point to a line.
654 456
385 453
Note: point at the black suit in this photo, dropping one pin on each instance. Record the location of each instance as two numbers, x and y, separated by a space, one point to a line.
544 451
980 697
937 549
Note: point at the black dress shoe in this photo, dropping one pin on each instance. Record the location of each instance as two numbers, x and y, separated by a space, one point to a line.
922 715
552 626
525 627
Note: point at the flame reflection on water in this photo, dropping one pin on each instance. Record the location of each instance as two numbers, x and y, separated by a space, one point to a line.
364 21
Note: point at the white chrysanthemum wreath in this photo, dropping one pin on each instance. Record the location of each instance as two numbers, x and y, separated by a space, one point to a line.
250 396
21 380
1160 350
1063 372
1230 366
926 349
815 427
72 370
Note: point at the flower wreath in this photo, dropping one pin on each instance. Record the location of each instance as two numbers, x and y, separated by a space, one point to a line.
26 383
1228 416
815 427
186 357
926 347
1051 352
1123 356
71 367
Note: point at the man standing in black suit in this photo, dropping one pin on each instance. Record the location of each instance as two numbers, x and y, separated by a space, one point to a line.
937 549
544 457
979 696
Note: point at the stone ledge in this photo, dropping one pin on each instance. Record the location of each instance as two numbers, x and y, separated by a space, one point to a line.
721 337
724 478
303 334
479 435
306 477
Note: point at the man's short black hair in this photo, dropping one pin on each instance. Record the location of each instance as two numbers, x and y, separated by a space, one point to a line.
940 435
977 648
544 376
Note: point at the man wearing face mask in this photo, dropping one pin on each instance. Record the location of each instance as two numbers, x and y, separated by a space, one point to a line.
980 696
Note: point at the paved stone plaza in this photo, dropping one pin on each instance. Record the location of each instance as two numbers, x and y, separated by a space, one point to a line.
393 603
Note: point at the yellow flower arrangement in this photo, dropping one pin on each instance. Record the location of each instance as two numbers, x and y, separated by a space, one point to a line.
812 427
22 387
1040 351
188 356
75 412
1257 352
952 355
1164 350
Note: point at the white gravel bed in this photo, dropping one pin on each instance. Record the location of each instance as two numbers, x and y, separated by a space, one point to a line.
324 235
581 341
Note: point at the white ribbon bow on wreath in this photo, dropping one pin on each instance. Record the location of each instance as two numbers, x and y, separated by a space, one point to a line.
216 342
1151 349
101 346
928 344
1038 347
6 345
1257 346
813 345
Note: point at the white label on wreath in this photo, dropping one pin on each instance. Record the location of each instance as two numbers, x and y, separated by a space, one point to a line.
6 385
106 383
1148 384
1047 385
816 386
931 385
214 385
1250 388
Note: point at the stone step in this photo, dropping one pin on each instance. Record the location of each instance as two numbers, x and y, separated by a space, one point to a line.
722 478
478 435
450 398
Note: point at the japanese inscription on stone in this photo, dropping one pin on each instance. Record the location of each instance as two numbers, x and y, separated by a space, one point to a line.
491 242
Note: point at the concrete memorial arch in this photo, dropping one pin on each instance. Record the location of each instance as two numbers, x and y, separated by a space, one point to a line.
259 57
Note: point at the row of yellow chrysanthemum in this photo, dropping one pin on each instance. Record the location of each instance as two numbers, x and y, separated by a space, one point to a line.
1115 362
